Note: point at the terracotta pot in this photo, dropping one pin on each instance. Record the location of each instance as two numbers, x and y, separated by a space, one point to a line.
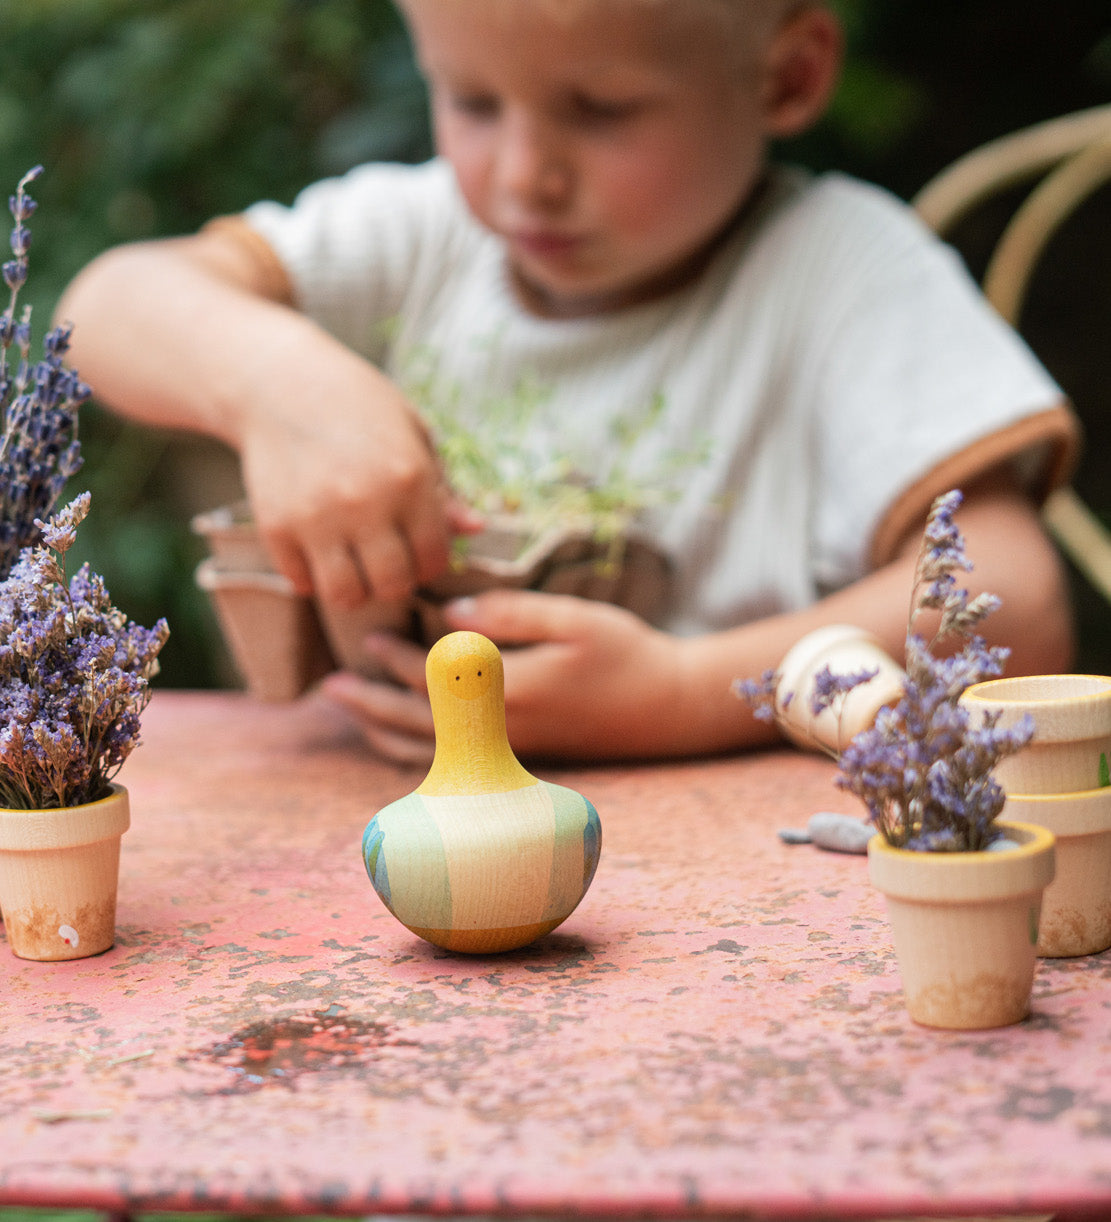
1076 911
1072 729
965 927
59 874
845 650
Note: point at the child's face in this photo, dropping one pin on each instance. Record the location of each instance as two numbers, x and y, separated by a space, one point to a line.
608 142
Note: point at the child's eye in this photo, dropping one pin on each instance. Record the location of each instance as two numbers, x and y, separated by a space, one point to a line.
475 105
588 109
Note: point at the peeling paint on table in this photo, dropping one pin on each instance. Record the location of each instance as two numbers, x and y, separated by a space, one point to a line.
718 1029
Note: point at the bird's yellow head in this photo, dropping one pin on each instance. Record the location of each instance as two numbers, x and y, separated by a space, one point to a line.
466 687
465 666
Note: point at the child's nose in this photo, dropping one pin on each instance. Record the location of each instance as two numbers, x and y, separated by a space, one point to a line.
532 165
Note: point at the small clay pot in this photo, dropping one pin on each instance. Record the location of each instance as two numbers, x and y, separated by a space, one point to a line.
1076 912
59 875
282 642
274 635
965 926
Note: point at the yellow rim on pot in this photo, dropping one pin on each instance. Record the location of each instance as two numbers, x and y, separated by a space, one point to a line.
965 877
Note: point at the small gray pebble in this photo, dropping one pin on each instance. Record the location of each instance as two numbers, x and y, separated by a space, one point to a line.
793 835
841 833
1003 845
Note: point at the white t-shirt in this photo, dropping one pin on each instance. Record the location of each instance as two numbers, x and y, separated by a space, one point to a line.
837 358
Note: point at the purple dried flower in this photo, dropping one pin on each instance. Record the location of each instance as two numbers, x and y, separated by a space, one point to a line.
39 401
759 694
942 547
74 675
945 797
74 671
922 770
829 688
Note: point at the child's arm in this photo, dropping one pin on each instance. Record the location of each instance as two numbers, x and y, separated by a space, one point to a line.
188 333
595 682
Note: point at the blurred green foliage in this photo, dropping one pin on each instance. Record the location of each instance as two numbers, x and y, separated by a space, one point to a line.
150 116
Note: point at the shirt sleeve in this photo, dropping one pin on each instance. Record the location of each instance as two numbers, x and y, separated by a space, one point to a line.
922 387
351 248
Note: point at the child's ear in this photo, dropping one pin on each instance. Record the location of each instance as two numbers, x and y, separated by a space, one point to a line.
801 70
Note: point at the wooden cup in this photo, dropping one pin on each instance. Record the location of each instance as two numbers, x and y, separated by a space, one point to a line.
1071 746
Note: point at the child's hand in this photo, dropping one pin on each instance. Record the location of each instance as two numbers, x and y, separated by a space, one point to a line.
196 333
346 487
582 680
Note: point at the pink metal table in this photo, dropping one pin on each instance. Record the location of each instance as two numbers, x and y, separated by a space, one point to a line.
717 1030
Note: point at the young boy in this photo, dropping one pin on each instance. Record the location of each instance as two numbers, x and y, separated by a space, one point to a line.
603 218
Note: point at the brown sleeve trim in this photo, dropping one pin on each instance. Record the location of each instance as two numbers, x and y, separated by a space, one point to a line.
1055 431
273 279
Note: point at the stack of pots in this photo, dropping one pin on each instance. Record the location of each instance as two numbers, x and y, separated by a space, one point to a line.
282 642
1061 781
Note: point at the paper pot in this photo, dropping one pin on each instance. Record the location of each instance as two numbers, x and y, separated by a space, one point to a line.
273 634
233 540
965 927
845 650
346 631
59 873
1076 911
1072 729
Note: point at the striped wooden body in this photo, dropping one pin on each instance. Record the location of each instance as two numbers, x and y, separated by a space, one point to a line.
481 856
484 872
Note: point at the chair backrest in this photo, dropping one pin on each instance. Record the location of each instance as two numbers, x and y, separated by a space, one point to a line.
1069 159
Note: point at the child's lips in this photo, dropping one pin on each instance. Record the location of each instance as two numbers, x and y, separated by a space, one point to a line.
546 243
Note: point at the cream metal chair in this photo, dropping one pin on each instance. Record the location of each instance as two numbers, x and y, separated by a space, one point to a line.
1071 156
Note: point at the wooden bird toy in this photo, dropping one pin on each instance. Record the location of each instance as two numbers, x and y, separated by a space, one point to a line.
481 856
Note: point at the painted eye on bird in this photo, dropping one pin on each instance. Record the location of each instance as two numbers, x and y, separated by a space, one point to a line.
471 683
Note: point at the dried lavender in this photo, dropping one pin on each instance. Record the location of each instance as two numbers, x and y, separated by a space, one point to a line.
39 400
761 694
923 770
74 675
74 671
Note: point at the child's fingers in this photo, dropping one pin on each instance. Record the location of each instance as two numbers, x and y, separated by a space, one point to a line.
402 660
387 563
399 745
338 575
429 529
523 617
396 721
463 519
400 749
290 561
